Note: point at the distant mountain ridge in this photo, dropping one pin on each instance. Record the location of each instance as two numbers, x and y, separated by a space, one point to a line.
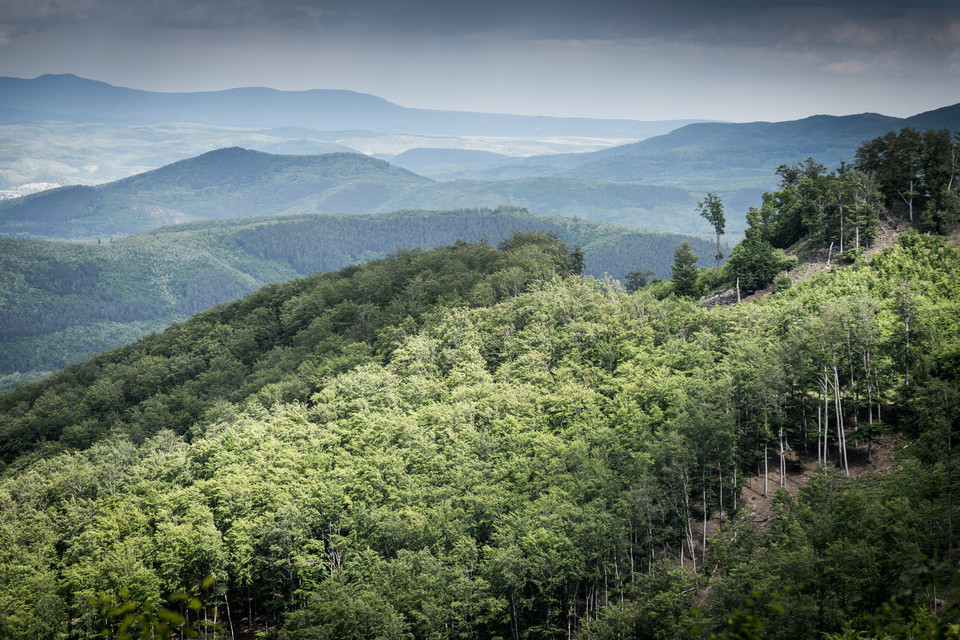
71 98
652 183
745 153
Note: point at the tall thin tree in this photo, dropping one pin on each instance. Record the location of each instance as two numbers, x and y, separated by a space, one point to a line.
711 210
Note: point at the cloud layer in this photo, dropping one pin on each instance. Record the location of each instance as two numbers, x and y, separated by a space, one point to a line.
421 50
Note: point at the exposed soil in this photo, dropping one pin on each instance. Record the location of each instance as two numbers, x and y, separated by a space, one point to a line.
799 471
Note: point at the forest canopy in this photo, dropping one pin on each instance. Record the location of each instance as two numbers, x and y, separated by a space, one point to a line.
476 441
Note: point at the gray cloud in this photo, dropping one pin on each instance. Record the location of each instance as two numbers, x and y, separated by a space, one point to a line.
557 57
848 36
530 18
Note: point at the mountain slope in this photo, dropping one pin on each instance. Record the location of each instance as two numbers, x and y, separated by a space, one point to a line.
737 150
220 184
471 441
63 302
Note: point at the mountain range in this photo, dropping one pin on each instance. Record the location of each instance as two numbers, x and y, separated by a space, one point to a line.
65 130
231 248
709 155
73 99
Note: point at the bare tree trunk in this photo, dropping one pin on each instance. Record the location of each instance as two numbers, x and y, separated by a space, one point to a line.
819 435
689 530
908 201
682 543
783 461
703 550
226 599
693 551
652 555
720 471
804 437
854 388
876 378
764 469
826 417
841 436
840 204
906 360
718 251
736 491
606 588
841 229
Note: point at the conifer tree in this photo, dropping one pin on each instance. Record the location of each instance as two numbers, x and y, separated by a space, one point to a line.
684 271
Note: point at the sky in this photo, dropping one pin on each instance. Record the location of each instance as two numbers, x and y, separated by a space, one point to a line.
741 61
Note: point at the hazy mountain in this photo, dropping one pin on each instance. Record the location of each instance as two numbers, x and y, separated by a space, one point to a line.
231 183
724 156
68 97
221 184
89 153
738 161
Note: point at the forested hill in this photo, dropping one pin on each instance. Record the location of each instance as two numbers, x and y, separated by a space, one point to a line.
227 183
230 183
477 442
64 302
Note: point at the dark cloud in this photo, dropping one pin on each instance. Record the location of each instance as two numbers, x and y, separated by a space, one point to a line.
585 57
561 19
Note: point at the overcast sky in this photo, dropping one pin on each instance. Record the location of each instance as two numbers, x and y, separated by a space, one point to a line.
741 61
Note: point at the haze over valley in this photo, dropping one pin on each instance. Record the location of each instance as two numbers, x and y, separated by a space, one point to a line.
551 166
